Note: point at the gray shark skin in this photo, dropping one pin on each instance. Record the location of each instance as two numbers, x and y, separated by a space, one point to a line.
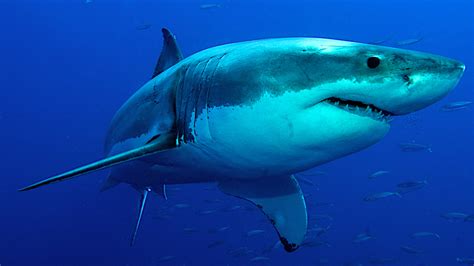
250 115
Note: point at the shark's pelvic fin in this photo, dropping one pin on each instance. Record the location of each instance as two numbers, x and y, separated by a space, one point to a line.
281 200
144 194
161 190
159 144
170 53
109 183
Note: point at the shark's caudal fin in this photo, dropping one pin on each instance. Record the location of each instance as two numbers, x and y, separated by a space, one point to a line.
143 197
157 144
281 200
170 53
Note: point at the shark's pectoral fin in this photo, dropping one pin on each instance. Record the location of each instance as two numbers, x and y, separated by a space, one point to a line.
170 53
143 197
157 144
281 200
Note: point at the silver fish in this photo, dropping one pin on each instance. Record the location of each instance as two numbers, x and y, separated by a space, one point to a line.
362 237
189 230
166 258
209 6
305 180
468 261
260 258
381 195
469 218
425 234
216 243
454 216
409 41
453 106
181 205
414 147
412 184
255 232
411 250
378 173
143 27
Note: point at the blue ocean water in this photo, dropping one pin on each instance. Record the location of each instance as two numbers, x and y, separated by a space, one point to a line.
67 66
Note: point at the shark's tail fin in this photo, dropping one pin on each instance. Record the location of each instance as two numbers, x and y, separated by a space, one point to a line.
157 144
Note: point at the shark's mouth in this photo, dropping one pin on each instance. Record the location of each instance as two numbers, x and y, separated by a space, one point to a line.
361 109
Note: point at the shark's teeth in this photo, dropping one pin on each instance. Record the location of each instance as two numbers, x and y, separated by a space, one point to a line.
361 109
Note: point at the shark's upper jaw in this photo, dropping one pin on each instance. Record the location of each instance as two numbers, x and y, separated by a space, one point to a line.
360 108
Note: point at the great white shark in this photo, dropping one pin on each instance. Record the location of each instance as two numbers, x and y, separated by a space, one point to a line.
250 115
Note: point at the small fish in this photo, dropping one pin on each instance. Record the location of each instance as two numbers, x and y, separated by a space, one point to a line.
212 200
425 234
260 258
216 243
319 230
161 217
467 261
362 237
409 41
454 216
378 173
209 6
222 229
143 27
305 181
323 204
272 247
312 173
380 261
414 147
323 217
206 212
411 250
412 184
239 252
315 243
88 2
219 230
381 195
181 205
233 208
380 41
255 232
189 230
455 106
469 218
166 258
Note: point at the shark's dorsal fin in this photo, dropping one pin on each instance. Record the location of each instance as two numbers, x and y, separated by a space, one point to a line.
281 200
161 143
170 53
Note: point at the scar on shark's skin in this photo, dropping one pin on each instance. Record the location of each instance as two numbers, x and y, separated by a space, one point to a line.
250 115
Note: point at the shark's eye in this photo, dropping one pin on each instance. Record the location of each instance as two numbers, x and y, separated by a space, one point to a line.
373 62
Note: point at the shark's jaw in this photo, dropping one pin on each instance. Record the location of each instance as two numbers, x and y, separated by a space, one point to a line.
360 109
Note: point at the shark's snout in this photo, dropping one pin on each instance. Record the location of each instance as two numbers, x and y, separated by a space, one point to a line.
428 81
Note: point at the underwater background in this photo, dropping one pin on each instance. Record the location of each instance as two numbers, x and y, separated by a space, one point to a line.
67 66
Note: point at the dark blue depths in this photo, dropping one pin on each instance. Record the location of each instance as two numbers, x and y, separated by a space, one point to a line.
67 66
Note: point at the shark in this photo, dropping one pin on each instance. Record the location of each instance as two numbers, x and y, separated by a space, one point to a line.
248 116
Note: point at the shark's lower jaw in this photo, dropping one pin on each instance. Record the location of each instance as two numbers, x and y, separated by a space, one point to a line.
360 109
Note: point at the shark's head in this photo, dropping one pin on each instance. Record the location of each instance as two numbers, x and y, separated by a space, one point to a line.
315 100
